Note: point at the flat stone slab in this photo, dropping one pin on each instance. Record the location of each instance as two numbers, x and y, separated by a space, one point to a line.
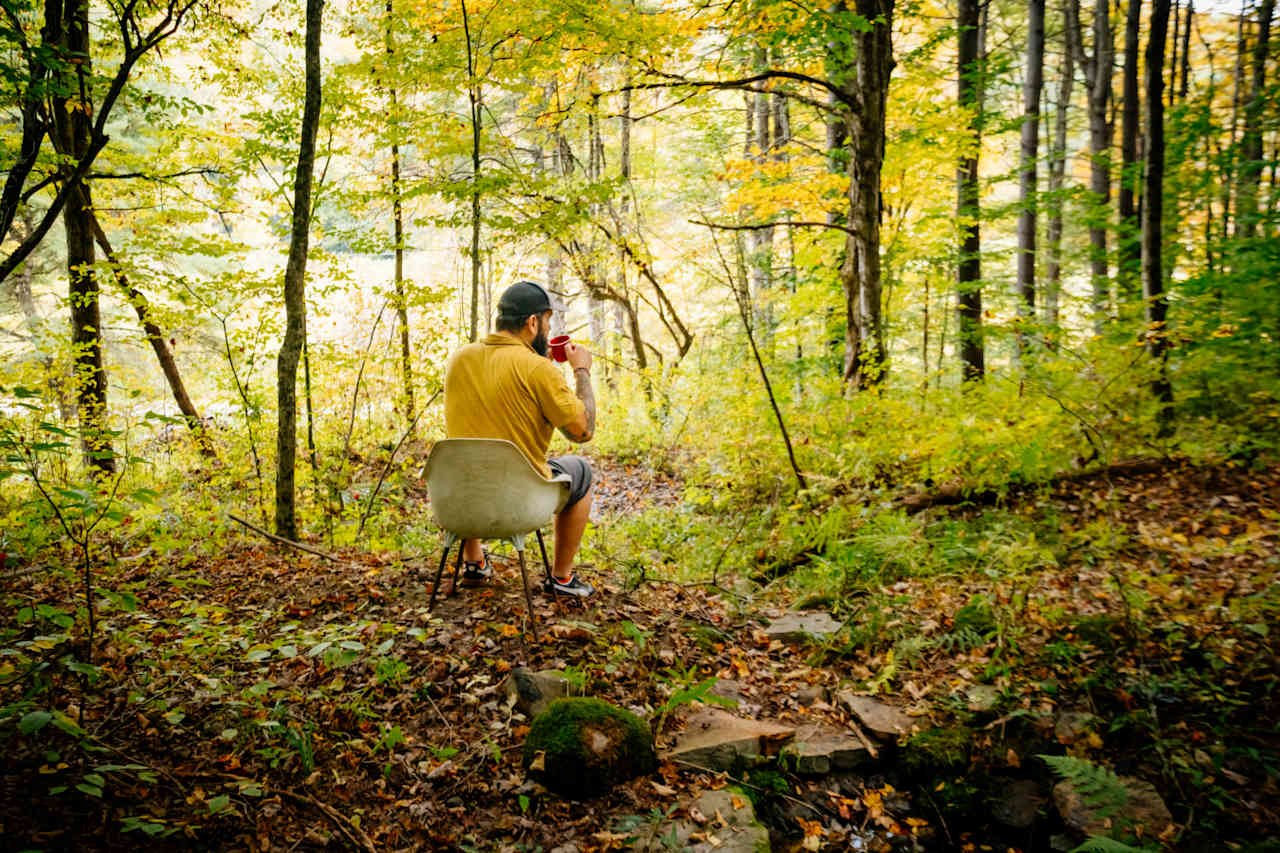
721 821
982 698
715 740
803 627
819 750
1142 808
885 721
1018 803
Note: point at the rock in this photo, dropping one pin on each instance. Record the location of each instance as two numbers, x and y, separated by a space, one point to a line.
819 750
534 691
581 748
716 740
1072 726
982 698
803 627
728 688
885 721
1018 802
810 694
1142 806
730 826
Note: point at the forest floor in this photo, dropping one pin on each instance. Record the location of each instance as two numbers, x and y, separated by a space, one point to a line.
271 700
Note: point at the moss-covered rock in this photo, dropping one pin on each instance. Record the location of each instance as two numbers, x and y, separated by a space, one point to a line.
581 747
943 750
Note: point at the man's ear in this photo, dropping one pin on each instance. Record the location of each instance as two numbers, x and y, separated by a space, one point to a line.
531 325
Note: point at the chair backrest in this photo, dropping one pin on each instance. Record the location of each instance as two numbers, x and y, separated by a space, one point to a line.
485 488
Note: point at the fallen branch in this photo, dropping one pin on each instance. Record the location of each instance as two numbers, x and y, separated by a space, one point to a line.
958 493
280 540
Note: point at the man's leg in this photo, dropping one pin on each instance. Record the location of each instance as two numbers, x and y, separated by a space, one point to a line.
473 551
570 525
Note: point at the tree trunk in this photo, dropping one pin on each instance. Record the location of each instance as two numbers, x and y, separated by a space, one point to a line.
865 363
1251 162
1030 152
1153 199
969 271
473 98
294 285
72 131
1186 51
397 214
1097 72
1057 172
156 338
1130 261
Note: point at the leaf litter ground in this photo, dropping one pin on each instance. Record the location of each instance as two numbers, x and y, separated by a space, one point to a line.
268 700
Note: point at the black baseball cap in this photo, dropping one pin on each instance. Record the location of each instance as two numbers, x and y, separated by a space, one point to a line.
523 299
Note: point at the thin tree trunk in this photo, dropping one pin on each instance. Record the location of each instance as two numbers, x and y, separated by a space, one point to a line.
1030 150
294 286
969 271
1251 162
1153 200
1130 261
1230 170
1097 71
865 362
1057 172
1172 35
397 214
1186 51
155 337
473 98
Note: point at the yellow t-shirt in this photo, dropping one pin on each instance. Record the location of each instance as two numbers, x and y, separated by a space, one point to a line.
501 388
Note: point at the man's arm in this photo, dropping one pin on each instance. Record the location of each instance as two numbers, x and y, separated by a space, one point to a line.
582 429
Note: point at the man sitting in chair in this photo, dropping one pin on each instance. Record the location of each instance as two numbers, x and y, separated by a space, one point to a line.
506 387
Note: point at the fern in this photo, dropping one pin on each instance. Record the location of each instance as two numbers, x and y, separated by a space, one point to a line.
1100 787
1102 844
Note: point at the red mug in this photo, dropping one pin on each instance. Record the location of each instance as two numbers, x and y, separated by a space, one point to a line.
556 346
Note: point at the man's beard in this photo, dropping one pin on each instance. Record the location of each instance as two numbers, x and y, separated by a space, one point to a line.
540 342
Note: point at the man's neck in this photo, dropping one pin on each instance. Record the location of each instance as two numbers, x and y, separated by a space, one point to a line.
513 336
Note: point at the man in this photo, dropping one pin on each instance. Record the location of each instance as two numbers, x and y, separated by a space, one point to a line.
506 387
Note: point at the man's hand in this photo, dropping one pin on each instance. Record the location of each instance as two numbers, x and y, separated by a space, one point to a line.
578 357
584 427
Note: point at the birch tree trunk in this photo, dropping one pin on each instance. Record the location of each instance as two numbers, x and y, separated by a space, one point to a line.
294 285
1057 172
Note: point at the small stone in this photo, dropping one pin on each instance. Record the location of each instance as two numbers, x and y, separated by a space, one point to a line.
1019 802
883 720
803 627
1142 807
716 741
534 691
810 694
1072 726
982 698
740 831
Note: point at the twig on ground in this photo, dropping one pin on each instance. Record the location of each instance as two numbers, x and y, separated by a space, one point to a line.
280 540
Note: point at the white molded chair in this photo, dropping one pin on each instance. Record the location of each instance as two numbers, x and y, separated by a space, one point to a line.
485 488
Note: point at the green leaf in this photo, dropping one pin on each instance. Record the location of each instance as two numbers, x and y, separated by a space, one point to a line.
218 803
174 717
34 721
258 653
91 790
67 724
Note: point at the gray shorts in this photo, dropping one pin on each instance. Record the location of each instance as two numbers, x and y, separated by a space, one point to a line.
579 473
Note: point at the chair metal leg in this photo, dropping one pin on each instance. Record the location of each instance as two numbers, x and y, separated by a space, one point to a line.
457 567
546 564
528 598
435 586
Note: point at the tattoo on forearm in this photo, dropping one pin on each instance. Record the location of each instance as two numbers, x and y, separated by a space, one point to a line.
582 379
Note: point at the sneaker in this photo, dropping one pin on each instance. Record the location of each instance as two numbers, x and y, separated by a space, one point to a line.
573 586
477 573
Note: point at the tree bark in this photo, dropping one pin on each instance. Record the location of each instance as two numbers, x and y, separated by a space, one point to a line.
1057 172
1251 162
473 99
865 362
969 270
1097 72
1030 150
1153 199
1186 51
156 338
294 285
1130 262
